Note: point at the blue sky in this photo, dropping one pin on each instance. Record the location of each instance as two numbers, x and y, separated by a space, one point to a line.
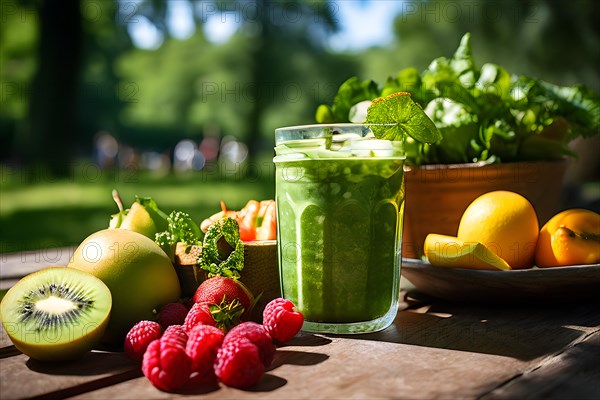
363 23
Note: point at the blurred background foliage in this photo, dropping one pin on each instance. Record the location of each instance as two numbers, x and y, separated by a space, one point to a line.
189 120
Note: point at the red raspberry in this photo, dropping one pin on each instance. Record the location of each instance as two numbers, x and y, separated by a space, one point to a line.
202 347
199 314
172 314
166 365
238 364
139 337
256 334
175 334
281 320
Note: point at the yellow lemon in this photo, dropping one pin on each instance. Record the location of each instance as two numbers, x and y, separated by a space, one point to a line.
449 251
506 223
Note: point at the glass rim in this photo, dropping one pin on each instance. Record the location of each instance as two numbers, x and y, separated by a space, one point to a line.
333 125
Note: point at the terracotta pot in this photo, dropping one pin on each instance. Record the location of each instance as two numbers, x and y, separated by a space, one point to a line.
437 195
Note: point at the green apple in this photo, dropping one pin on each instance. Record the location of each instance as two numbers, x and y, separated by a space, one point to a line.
139 274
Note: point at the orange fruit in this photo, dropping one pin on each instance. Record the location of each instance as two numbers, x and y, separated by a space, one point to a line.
506 223
571 237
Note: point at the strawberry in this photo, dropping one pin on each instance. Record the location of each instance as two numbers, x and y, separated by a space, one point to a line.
219 289
238 364
223 316
172 314
139 337
258 335
281 320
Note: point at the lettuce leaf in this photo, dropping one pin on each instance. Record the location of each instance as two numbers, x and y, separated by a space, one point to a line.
501 116
351 92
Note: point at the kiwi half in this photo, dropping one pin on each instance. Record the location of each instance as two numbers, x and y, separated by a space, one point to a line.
57 313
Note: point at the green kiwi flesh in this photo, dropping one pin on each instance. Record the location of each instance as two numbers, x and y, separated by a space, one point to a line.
57 313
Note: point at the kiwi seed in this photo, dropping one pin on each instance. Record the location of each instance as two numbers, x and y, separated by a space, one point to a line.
54 304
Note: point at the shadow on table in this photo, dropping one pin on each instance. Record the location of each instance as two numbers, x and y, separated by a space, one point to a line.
522 332
301 358
269 381
92 363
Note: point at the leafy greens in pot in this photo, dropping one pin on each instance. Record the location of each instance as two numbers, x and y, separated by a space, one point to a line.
483 114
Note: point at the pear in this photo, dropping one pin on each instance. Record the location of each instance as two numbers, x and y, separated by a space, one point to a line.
139 274
449 251
117 219
143 217
143 220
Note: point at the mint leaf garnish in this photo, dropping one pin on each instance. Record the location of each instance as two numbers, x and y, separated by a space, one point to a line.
402 117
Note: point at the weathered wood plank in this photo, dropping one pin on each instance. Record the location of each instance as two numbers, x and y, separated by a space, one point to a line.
353 368
431 351
17 265
573 373
436 351
23 377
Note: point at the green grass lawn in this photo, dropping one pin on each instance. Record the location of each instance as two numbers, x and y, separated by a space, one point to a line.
52 213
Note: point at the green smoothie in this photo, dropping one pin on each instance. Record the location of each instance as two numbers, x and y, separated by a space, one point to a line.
340 210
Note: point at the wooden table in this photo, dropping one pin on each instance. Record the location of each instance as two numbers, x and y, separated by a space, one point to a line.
434 349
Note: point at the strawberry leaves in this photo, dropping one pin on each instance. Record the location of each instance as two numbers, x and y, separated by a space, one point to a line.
227 314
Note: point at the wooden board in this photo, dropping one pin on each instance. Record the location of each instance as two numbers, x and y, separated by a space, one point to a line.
14 266
575 284
23 377
432 350
573 373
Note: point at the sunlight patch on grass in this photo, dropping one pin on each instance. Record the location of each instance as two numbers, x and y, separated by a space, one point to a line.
62 213
50 196
177 195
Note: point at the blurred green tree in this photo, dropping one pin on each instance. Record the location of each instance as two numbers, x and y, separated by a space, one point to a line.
101 95
275 64
69 69
58 83
553 40
18 63
46 139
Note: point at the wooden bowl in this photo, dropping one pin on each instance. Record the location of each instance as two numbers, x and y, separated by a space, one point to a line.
260 273
577 283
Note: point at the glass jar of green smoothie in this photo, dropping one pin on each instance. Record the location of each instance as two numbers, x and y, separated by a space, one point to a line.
340 199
